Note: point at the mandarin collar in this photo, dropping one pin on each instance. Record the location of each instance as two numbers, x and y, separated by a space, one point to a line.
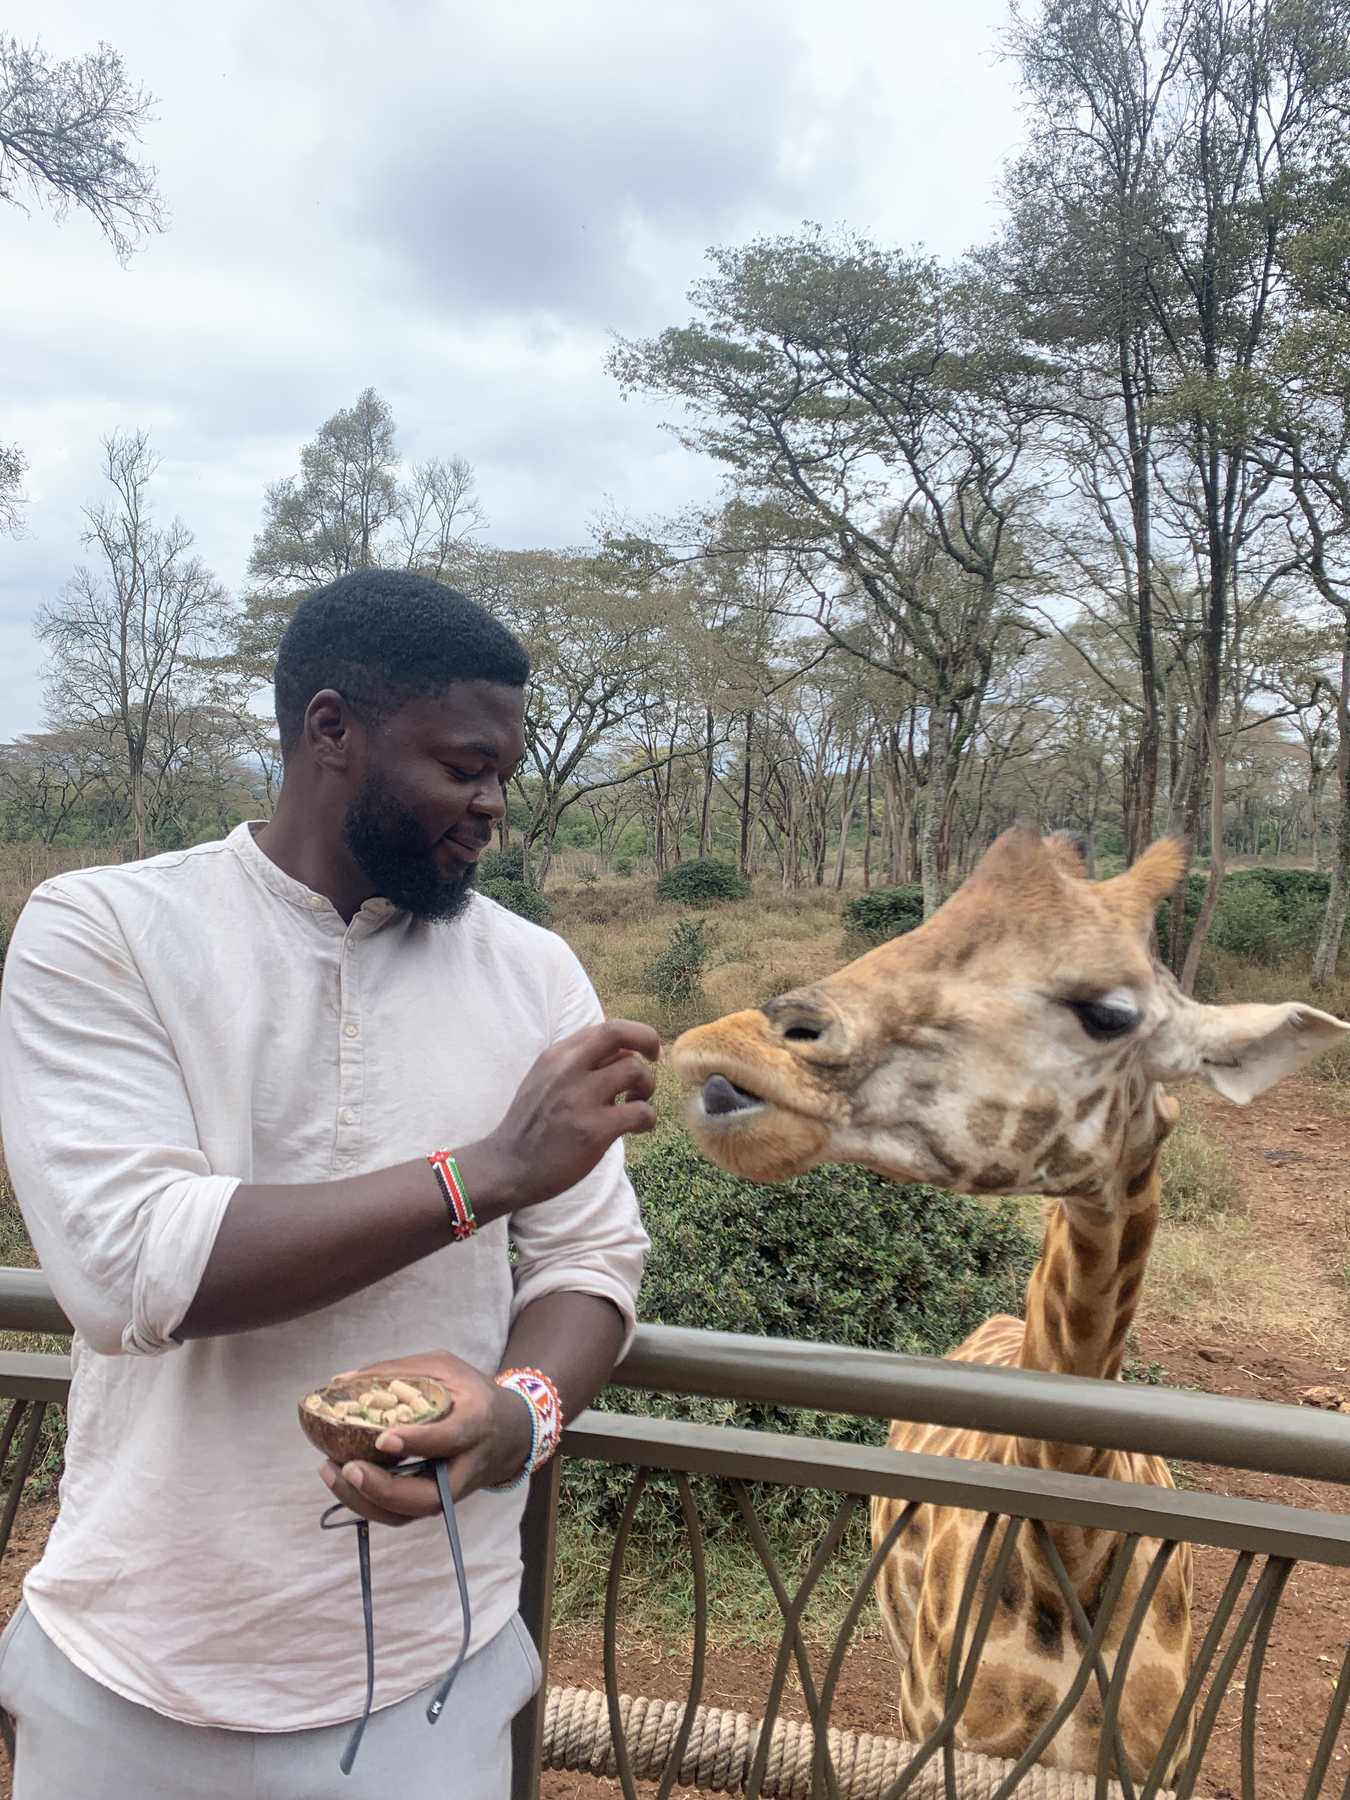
243 841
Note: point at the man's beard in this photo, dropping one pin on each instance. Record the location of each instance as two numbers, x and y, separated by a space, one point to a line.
391 849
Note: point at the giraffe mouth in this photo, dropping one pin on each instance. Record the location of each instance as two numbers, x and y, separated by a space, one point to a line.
722 1100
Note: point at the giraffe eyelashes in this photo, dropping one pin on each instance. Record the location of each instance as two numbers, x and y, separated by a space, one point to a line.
1103 1019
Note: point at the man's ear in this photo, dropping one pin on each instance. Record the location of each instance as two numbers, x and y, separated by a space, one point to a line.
1240 1050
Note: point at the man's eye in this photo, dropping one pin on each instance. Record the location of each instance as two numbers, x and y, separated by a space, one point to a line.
1101 1020
466 774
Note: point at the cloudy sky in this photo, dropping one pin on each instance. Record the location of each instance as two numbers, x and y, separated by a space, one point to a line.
457 202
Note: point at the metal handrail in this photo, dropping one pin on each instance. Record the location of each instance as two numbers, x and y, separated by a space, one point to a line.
1217 1429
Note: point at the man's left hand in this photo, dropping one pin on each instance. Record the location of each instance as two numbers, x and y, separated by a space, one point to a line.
484 1440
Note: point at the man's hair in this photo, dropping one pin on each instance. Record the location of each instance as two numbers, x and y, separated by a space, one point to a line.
382 637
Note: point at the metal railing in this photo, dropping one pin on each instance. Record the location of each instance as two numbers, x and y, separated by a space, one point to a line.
1025 1511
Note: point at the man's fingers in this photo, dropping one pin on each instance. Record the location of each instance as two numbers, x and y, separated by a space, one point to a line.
597 1045
628 1075
357 1500
397 1498
635 1116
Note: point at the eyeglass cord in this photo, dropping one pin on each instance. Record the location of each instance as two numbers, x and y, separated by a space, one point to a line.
330 1523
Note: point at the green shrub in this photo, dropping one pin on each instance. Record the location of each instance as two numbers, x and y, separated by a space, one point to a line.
1248 921
883 913
623 867
518 897
838 1255
676 974
702 883
502 865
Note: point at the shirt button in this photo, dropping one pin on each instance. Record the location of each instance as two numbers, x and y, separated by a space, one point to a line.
348 1116
351 1030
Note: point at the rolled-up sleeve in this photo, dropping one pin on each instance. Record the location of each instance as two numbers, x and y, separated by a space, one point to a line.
99 1135
590 1239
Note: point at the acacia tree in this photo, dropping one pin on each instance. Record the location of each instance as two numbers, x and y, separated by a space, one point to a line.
865 399
11 489
352 506
127 632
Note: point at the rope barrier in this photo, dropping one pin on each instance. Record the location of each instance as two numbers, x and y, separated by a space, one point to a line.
722 1744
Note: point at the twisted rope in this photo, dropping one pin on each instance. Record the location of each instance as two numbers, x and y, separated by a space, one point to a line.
722 1745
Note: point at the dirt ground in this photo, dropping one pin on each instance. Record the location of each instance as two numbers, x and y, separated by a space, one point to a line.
1293 1156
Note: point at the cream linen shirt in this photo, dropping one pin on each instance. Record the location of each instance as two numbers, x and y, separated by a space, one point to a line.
169 1029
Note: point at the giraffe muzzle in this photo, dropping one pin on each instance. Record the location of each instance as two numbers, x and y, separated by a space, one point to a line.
722 1099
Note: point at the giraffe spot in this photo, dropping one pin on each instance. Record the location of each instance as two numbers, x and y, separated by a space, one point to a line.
1063 1159
1014 1588
936 1152
1082 1320
1136 1237
1088 1104
1035 1124
1113 1113
1057 1271
1170 1617
986 1120
923 1093
964 955
1139 1182
1092 1714
1129 1289
993 1178
1086 1252
1047 1625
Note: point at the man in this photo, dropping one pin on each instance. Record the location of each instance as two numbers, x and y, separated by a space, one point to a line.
224 1072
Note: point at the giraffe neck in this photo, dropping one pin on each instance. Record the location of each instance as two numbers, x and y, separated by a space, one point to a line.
1084 1291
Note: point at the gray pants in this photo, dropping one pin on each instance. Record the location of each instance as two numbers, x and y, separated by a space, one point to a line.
76 1740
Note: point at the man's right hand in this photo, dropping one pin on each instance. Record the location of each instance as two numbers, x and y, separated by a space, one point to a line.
567 1113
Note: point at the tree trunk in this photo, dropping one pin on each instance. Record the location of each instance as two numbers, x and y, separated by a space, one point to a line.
745 796
136 760
705 818
1194 950
1333 921
867 831
935 810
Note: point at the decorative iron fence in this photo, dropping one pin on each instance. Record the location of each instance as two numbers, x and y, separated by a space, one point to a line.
678 1741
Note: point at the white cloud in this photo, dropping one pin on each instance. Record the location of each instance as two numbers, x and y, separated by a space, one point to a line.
457 204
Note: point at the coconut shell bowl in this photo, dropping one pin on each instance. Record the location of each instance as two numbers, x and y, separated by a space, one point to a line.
344 1419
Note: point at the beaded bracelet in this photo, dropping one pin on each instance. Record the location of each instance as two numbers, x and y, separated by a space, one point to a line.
462 1222
540 1394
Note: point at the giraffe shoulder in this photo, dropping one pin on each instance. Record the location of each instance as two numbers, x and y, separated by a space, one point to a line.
998 1340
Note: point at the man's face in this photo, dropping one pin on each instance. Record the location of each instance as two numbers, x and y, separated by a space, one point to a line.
433 787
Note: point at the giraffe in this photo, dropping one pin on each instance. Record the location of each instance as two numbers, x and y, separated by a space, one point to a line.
1016 1042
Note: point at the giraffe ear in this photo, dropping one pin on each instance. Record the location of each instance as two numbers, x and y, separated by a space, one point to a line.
1149 881
1241 1050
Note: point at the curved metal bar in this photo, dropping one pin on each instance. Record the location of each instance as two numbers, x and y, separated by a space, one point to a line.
1120 1567
1256 1604
1200 1667
768 1561
958 1691
1082 1630
861 1594
971 1667
1109 1745
1255 1669
826 1549
623 1766
22 1469
693 1527
12 1418
1330 1731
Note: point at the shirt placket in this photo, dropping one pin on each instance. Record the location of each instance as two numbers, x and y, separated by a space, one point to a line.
349 1137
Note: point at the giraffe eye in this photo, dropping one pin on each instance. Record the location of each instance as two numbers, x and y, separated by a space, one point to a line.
1103 1019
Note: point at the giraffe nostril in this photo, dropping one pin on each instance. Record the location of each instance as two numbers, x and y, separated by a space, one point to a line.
804 1034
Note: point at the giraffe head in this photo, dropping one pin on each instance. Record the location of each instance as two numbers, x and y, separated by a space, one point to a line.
1013 1043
